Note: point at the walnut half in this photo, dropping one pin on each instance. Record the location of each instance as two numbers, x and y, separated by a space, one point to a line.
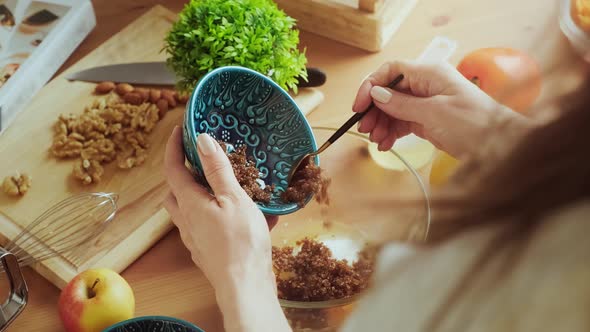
16 185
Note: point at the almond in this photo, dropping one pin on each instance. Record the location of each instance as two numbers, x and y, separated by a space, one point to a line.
171 101
155 95
168 93
104 88
170 97
124 88
133 98
144 93
162 107
182 98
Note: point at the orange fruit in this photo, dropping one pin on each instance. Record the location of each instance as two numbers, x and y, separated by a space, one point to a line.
511 77
443 166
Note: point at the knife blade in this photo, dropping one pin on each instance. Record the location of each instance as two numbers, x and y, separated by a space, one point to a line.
157 73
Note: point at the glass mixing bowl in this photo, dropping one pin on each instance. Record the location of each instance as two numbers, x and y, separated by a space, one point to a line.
579 39
370 203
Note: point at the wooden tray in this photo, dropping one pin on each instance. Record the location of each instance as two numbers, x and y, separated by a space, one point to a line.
140 221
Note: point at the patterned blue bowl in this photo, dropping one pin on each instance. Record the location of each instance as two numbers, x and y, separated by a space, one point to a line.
153 324
243 107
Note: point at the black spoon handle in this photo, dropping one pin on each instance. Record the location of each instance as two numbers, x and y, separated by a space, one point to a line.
358 116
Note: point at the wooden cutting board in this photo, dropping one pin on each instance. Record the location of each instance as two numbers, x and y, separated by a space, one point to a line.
141 220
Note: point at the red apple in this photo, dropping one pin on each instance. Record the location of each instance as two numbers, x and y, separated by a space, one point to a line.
94 300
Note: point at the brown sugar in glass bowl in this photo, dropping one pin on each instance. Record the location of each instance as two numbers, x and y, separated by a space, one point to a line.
313 274
369 203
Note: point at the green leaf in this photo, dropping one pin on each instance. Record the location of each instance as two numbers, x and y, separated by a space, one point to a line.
249 33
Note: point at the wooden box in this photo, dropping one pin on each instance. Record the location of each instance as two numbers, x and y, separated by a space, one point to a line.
365 24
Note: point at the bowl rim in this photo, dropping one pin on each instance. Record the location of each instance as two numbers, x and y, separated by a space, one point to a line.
352 299
153 317
192 134
579 39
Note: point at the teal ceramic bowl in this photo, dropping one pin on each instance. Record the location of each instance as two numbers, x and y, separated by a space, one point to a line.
240 106
154 324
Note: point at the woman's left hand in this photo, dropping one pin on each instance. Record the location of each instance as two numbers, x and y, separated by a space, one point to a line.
226 233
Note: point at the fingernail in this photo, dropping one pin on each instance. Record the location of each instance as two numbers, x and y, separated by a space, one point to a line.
358 126
380 94
205 144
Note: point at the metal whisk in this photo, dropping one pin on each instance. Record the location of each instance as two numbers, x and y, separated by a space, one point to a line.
64 227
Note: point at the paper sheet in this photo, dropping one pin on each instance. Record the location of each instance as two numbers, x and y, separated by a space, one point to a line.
36 38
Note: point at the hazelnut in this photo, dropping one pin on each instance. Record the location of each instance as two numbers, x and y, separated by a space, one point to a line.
133 98
124 88
155 95
104 88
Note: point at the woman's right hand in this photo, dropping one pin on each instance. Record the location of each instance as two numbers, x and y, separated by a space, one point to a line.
433 101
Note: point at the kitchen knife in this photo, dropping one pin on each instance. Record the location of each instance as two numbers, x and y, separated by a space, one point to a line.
157 73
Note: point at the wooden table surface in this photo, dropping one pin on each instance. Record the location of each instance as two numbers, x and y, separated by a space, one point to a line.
164 280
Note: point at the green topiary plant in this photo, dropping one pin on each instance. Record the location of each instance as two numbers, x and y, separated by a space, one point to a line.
250 33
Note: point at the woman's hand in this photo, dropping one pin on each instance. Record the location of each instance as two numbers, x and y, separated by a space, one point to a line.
434 101
226 234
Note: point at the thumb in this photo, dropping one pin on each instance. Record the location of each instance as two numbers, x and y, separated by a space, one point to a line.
217 168
402 106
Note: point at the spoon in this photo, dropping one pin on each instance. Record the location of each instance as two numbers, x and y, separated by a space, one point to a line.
343 129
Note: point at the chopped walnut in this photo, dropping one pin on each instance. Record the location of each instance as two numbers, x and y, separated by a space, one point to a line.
108 130
88 171
132 157
16 185
146 118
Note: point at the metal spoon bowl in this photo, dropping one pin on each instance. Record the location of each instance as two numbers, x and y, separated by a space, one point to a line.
341 131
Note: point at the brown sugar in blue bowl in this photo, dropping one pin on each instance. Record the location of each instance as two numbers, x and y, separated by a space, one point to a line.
241 107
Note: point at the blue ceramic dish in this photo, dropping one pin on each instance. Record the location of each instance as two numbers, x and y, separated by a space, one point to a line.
153 324
243 107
